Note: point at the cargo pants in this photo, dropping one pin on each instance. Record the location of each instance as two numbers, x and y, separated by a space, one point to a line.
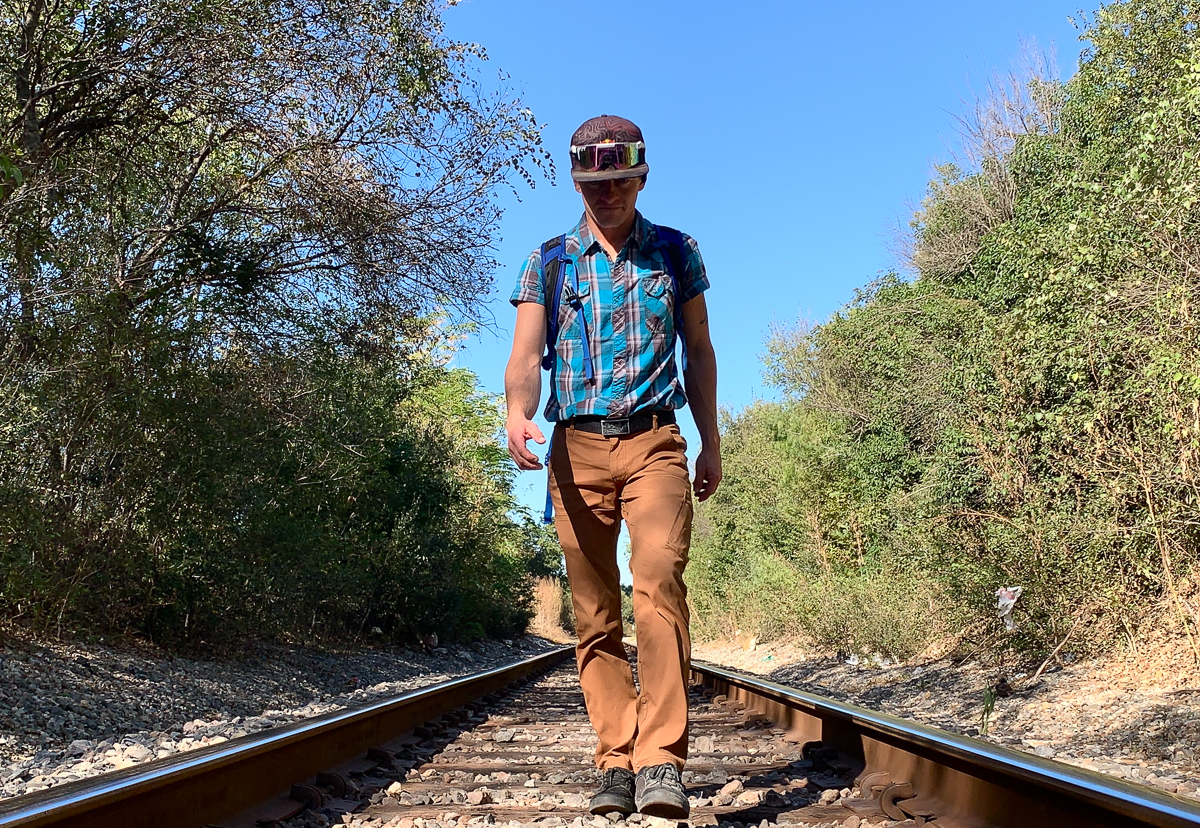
595 482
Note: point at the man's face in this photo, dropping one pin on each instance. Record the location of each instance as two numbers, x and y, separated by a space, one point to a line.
612 202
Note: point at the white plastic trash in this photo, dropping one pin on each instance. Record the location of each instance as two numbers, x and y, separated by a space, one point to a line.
1006 599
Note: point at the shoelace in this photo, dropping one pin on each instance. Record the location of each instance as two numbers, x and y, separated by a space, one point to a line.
659 773
613 778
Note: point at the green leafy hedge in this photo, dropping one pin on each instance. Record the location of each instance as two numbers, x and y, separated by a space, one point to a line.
1024 410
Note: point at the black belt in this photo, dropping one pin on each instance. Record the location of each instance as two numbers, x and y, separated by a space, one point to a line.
619 427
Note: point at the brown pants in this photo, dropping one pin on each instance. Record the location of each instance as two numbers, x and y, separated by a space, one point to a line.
595 481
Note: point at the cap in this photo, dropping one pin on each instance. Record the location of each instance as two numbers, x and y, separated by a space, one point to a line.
608 129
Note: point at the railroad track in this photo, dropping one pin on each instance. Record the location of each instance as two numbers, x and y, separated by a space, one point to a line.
512 746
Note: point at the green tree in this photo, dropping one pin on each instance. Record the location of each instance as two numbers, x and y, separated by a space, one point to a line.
224 407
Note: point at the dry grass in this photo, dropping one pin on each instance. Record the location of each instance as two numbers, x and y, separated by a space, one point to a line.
551 610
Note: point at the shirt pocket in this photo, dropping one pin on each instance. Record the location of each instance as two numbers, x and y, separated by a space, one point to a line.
569 309
658 294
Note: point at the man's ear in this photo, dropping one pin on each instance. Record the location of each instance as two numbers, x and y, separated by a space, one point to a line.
642 185
576 183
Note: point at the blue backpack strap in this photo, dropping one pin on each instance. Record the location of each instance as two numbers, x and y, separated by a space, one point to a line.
554 252
554 272
671 243
548 513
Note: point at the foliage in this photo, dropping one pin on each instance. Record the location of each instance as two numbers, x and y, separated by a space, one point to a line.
627 619
1026 410
224 401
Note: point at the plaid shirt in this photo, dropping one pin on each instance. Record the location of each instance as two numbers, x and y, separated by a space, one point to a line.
629 306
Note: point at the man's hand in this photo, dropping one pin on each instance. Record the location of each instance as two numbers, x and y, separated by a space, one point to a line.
700 381
523 383
708 473
520 431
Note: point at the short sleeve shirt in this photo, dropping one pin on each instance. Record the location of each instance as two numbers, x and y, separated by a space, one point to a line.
628 307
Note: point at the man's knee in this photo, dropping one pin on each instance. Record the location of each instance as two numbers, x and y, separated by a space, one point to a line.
657 586
597 618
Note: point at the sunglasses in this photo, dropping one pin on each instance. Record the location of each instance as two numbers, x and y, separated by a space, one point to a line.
595 157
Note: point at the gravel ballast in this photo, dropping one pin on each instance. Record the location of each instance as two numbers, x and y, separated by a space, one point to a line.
70 711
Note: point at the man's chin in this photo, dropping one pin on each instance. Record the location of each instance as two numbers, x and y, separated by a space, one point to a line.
609 220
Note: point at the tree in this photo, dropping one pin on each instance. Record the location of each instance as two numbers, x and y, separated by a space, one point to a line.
231 223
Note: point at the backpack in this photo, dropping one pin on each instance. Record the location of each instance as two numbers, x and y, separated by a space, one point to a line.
554 272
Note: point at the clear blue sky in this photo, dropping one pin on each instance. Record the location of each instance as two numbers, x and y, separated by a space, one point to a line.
789 138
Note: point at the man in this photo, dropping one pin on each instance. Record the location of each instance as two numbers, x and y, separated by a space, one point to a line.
616 453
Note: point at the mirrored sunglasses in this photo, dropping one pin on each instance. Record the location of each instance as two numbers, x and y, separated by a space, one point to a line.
595 157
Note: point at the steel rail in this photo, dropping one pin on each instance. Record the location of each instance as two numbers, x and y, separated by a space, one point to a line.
957 780
208 785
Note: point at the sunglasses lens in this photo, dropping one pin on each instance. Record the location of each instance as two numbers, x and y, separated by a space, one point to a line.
584 157
595 157
610 156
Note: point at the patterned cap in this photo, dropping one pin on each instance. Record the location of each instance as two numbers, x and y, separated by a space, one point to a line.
607 129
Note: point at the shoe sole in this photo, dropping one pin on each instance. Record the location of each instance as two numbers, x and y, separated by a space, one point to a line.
614 805
664 810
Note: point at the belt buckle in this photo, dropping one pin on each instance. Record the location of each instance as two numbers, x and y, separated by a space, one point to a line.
614 428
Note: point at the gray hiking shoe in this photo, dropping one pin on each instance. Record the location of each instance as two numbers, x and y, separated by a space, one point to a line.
615 794
660 792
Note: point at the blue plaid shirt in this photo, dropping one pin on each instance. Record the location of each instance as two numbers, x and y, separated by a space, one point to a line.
629 306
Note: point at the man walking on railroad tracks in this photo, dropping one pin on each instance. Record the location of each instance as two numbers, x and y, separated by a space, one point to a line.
608 301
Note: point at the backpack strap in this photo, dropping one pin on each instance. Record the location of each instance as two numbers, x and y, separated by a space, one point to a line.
671 242
553 272
555 262
548 512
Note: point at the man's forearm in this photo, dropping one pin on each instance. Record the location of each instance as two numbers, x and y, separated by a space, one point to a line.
700 382
523 388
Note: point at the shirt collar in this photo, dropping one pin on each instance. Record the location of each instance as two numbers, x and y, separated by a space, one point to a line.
643 234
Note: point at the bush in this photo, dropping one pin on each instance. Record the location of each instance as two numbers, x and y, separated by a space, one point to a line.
1025 411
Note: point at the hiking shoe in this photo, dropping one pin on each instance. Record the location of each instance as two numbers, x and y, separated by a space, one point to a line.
660 792
615 794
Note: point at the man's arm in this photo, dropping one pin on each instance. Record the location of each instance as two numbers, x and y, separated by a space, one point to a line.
700 382
523 383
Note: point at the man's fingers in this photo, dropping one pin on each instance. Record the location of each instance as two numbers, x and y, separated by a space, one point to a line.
707 479
519 433
711 484
524 458
525 461
519 452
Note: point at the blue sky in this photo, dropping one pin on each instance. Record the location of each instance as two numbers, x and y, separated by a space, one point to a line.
790 139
